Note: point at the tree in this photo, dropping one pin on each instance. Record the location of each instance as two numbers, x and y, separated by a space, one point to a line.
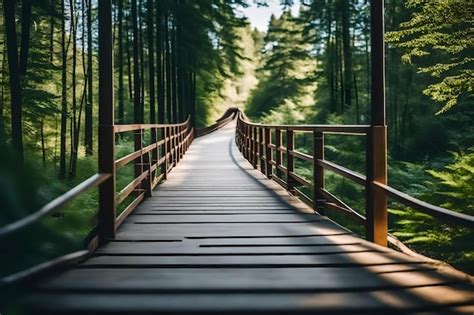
151 60
14 77
439 36
286 66
88 124
137 101
64 107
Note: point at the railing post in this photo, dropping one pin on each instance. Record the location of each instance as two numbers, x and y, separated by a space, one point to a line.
254 147
154 155
279 154
261 150
290 160
318 171
139 161
248 142
268 153
173 146
176 145
147 182
376 209
166 150
106 214
181 141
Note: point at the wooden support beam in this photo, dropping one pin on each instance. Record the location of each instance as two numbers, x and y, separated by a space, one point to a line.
318 171
278 153
290 160
254 147
376 208
268 153
261 150
106 215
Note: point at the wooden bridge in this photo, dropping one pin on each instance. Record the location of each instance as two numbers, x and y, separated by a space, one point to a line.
219 237
204 228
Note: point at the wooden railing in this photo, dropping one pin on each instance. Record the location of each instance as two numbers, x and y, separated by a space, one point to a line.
152 160
229 115
276 159
157 149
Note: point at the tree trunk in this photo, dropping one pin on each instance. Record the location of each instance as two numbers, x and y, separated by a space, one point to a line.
347 52
141 60
121 99
51 31
88 136
15 86
174 80
137 117
151 60
43 146
129 62
159 64
2 97
356 99
74 135
169 109
330 57
62 150
25 35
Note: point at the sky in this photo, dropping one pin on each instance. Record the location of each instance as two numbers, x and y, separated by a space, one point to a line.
259 16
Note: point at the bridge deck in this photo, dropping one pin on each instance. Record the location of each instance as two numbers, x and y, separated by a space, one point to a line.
218 237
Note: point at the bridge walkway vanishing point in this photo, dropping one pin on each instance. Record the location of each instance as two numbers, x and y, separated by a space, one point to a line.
219 237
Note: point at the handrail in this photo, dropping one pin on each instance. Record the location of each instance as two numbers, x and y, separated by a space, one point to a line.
91 182
133 127
152 164
268 157
152 161
228 116
453 217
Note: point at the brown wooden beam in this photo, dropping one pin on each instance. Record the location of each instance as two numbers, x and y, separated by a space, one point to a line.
106 215
376 208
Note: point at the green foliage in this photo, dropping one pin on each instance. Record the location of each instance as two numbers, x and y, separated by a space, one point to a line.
454 187
282 93
440 35
438 38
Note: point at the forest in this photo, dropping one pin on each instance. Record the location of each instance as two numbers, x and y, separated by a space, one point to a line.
180 58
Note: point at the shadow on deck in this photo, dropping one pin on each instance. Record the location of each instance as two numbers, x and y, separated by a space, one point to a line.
219 237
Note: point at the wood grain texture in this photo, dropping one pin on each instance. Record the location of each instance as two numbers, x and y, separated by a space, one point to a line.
218 237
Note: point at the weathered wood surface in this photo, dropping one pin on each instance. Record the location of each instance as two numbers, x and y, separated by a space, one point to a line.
217 237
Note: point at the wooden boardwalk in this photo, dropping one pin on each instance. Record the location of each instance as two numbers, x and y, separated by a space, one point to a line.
218 237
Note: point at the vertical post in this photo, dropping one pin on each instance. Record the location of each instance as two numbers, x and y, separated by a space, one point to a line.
154 154
181 141
254 147
165 154
261 150
175 146
278 157
290 160
376 209
106 215
138 145
318 171
147 160
268 153
247 142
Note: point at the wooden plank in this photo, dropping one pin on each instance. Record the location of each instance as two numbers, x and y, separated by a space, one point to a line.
329 279
226 230
238 218
433 299
247 260
185 248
